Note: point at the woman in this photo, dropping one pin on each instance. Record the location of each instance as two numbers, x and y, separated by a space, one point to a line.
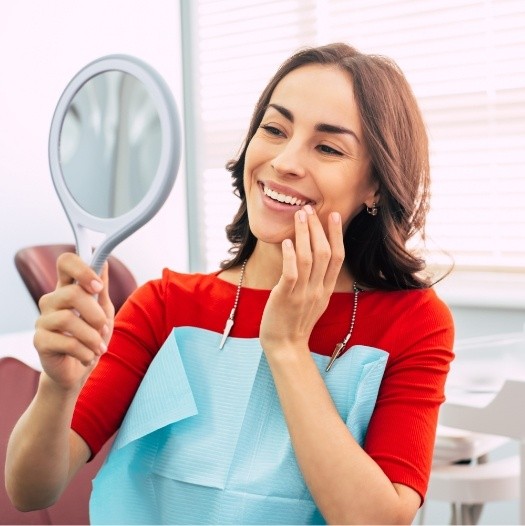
250 394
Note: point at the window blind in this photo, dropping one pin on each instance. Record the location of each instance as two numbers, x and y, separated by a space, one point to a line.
465 61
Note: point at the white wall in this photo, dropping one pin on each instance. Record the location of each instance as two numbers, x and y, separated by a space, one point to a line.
42 45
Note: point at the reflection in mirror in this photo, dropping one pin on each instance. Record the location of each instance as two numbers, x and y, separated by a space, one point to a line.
110 144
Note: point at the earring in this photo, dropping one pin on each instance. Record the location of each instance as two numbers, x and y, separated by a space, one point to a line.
372 210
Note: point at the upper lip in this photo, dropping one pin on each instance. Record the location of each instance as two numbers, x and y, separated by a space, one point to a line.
286 190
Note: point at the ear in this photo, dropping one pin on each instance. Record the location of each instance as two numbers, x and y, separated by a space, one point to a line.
374 196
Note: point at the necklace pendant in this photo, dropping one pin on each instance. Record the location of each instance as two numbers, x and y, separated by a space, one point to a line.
337 351
227 329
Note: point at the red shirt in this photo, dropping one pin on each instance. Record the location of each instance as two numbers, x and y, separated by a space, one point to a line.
415 327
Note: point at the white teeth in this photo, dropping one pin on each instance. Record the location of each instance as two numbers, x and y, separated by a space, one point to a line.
282 198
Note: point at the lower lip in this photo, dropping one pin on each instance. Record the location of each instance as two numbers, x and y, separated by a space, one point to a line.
278 206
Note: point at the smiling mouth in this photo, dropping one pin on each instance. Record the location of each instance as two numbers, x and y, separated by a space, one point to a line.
284 198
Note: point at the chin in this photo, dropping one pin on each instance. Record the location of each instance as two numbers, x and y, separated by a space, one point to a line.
266 235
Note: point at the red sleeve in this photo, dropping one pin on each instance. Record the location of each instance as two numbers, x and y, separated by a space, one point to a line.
401 433
139 332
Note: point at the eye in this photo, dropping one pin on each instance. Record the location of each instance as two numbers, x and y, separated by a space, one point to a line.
328 150
272 130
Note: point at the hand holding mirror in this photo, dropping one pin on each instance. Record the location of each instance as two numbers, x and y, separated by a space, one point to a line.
114 151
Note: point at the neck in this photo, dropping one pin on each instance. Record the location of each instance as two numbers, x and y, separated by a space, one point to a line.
264 267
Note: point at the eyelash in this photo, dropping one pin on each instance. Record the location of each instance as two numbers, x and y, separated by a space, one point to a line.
272 130
323 148
331 151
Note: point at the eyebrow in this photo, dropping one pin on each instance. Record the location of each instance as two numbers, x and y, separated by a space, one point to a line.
321 127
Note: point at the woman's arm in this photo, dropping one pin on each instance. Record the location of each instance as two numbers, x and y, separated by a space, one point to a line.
346 483
71 334
43 454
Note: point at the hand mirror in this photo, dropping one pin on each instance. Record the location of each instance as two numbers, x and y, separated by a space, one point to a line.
114 151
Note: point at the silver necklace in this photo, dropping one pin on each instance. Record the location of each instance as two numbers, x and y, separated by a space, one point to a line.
338 348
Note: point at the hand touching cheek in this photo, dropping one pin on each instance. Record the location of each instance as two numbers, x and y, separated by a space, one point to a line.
309 275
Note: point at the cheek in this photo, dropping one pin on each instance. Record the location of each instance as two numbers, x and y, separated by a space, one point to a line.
248 165
255 161
247 173
348 215
246 180
357 196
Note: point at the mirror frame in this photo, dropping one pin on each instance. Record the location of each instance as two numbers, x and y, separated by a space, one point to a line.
120 227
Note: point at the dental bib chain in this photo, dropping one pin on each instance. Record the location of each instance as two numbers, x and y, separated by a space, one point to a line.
338 348
231 318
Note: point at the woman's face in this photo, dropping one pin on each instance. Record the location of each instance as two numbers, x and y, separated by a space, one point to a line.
308 149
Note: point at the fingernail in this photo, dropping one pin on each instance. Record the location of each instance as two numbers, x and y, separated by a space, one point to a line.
105 330
288 243
103 347
308 209
336 217
302 216
96 286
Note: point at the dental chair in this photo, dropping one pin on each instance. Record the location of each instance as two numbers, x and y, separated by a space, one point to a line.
37 268
468 470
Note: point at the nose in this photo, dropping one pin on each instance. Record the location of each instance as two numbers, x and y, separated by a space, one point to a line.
290 160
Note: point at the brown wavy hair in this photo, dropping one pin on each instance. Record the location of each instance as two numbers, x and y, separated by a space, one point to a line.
396 139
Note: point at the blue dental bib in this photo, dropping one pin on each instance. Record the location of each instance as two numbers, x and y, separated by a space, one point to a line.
205 441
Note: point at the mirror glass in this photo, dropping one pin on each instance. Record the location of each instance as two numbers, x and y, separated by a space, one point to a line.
110 144
114 151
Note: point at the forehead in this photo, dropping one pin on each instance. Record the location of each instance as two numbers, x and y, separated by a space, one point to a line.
325 90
